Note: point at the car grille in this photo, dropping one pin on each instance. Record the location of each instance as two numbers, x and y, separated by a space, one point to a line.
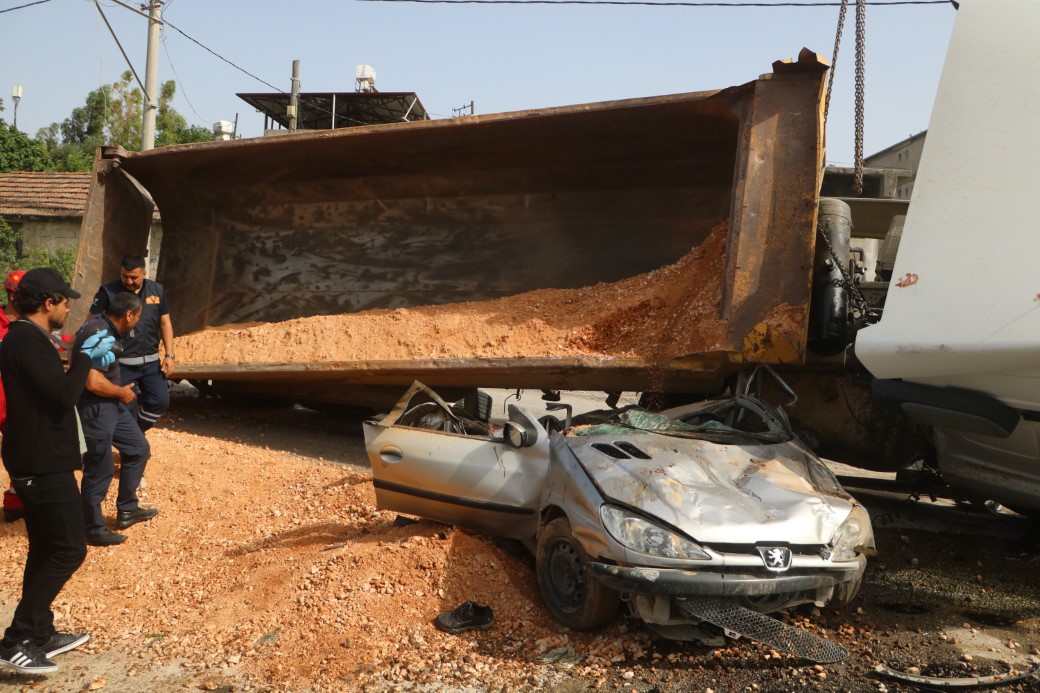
751 549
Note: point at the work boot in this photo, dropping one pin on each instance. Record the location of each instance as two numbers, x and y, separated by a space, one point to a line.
131 517
466 616
104 537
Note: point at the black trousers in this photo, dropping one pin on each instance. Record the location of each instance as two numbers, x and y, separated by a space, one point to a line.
57 547
106 424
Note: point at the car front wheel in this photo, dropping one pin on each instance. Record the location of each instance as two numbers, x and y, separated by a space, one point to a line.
574 597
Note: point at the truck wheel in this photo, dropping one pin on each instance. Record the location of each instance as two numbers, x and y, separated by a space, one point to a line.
574 597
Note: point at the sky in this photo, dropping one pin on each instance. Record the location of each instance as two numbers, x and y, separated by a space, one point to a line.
500 57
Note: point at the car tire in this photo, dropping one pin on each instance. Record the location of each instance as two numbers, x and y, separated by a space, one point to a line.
573 596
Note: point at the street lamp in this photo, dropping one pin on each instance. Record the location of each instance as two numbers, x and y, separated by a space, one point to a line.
16 95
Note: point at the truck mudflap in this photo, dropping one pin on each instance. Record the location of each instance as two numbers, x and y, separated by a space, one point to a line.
477 208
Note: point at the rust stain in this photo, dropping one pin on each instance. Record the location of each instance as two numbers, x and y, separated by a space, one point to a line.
909 280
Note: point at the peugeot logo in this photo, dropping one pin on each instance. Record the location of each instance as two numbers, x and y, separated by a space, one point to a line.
777 559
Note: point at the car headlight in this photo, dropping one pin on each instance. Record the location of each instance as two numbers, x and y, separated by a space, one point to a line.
854 536
641 535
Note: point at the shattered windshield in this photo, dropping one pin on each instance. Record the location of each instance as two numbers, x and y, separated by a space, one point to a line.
729 420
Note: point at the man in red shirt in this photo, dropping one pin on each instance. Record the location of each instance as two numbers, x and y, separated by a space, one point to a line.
12 505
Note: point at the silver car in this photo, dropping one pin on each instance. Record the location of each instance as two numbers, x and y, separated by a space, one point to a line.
715 500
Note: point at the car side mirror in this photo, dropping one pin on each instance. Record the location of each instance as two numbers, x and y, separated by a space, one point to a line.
518 436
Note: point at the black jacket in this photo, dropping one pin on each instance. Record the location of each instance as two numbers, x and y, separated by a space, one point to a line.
40 436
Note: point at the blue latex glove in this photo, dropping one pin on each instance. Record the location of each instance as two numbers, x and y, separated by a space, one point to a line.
98 348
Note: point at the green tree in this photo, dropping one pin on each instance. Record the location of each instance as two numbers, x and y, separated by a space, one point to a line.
170 126
64 260
125 111
65 156
86 125
71 143
8 245
112 114
20 153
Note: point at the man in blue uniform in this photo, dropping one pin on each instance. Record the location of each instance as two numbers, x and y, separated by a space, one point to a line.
105 409
141 362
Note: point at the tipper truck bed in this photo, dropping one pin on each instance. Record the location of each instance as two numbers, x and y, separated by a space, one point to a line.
437 212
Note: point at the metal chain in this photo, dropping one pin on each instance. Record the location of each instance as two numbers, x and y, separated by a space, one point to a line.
861 310
861 46
834 59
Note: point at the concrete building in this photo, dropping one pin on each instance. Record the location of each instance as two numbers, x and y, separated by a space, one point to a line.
45 208
904 157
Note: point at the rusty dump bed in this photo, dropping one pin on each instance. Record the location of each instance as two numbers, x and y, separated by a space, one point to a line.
432 212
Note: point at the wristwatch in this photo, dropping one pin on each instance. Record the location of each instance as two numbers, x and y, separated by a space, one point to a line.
169 356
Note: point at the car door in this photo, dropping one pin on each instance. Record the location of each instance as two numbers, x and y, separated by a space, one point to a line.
477 481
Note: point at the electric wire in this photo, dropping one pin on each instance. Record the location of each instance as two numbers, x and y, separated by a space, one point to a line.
118 44
22 7
648 3
134 10
243 70
184 91
210 50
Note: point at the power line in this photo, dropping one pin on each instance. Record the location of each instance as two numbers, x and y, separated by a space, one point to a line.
115 38
243 70
22 7
646 3
184 91
210 50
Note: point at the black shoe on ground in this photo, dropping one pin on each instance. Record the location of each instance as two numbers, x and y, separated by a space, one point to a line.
132 517
26 658
63 642
12 514
466 616
105 537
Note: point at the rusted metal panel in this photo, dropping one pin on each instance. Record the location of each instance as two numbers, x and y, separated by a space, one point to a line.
116 223
487 206
778 175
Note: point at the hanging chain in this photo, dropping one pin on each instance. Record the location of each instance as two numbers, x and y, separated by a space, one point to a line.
834 58
861 46
861 311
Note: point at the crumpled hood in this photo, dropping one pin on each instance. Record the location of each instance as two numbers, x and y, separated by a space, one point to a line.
722 493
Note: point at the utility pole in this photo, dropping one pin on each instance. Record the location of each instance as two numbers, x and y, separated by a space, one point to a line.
16 96
294 96
151 76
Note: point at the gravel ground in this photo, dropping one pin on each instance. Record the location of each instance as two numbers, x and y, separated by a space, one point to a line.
269 568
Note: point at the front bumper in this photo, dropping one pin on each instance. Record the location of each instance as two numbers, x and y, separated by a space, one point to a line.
689 583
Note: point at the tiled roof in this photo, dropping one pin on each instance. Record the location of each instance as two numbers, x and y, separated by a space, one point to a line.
31 194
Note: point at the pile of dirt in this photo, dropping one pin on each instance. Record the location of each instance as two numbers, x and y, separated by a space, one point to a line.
669 312
277 569
270 568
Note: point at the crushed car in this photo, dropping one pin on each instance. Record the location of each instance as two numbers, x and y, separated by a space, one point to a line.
701 519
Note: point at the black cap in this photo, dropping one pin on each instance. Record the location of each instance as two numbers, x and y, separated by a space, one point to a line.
46 280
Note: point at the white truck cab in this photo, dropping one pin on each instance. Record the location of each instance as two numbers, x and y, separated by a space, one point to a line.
959 342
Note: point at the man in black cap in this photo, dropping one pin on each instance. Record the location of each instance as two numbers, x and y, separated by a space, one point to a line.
41 450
